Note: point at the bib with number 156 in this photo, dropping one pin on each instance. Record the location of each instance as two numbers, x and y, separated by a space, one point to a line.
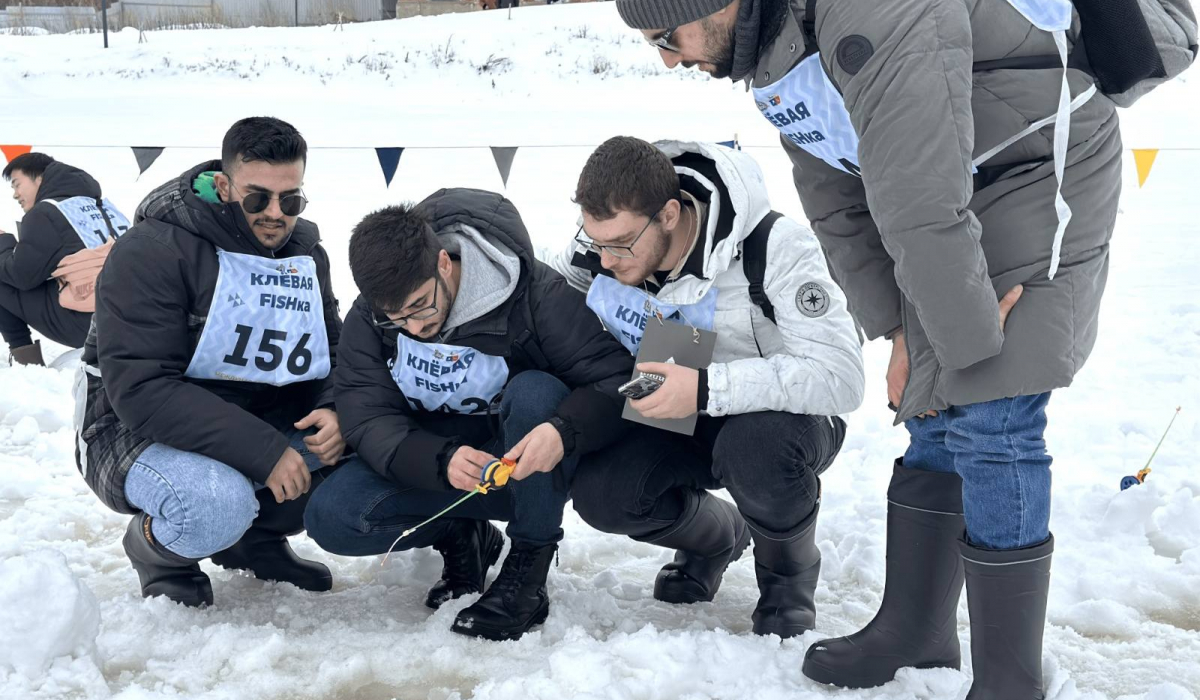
266 323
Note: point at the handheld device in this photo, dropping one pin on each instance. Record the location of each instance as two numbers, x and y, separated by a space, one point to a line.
641 386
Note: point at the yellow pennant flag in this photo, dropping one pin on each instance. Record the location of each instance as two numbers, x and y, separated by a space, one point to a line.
1144 157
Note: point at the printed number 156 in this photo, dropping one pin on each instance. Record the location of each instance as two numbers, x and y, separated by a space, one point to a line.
271 350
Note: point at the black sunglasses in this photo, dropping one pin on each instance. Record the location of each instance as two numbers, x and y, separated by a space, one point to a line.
289 204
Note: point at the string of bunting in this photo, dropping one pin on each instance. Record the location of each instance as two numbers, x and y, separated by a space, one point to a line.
389 157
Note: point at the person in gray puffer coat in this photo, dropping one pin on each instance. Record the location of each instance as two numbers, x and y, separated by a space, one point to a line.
922 134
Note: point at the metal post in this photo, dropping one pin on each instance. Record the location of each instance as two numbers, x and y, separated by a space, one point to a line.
104 20
297 13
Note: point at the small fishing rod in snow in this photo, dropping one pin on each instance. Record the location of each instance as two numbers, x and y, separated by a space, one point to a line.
1140 477
495 476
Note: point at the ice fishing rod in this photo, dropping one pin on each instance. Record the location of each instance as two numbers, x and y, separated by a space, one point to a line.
494 476
1140 477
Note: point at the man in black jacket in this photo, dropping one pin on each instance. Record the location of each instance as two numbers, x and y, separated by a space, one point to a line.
206 396
64 213
464 348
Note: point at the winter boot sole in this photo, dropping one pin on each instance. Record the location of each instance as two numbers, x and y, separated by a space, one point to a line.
475 629
837 677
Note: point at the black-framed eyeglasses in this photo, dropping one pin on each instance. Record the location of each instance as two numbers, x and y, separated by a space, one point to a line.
663 41
257 202
617 251
395 324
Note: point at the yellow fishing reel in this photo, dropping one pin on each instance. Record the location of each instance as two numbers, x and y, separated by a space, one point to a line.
495 475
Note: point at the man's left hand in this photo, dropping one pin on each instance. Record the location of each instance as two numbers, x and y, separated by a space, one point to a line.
676 398
327 444
539 451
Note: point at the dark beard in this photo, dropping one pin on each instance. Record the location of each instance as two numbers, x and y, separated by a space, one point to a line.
720 47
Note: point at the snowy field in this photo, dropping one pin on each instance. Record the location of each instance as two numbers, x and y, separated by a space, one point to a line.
1124 612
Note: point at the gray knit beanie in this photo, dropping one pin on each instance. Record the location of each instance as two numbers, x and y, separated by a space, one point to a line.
665 14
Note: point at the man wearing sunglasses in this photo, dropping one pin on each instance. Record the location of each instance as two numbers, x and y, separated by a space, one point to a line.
675 231
206 398
464 348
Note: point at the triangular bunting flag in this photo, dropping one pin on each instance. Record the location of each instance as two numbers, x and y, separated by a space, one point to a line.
145 156
504 160
11 152
731 144
1144 157
389 160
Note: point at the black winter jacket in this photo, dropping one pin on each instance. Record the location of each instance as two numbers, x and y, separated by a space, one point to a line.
152 302
543 325
46 237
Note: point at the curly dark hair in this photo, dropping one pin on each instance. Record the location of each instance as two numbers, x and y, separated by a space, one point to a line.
626 174
393 251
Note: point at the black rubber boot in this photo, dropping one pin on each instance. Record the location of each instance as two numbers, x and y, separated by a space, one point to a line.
709 536
917 623
264 550
163 572
516 600
787 566
1006 596
28 355
468 548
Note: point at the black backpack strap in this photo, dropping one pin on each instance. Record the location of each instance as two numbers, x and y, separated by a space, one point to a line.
754 262
112 231
809 26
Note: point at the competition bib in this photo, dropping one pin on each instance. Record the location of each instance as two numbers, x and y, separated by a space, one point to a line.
625 310
447 378
84 216
809 111
266 323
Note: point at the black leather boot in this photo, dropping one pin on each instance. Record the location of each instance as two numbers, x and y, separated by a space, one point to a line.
468 548
709 536
917 622
1006 596
787 566
264 549
516 600
163 572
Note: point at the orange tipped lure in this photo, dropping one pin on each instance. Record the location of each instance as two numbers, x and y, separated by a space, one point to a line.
495 476
1140 477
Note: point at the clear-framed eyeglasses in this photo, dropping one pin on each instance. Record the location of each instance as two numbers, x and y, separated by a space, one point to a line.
617 251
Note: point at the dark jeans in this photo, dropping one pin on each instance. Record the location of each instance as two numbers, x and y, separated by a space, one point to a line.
359 512
38 309
999 449
768 461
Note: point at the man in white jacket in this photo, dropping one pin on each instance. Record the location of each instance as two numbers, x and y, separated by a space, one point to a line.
679 229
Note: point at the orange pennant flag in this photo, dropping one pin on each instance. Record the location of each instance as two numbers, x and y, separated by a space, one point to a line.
1144 157
11 152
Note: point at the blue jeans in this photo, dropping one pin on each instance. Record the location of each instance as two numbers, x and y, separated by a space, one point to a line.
197 505
359 512
999 450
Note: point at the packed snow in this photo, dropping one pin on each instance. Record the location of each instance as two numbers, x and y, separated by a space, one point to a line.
1124 610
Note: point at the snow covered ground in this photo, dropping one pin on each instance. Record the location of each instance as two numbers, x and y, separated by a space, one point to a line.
1124 614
